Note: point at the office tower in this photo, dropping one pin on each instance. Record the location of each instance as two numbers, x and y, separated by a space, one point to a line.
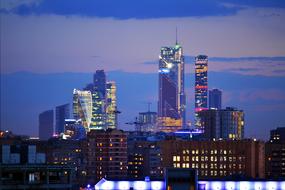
148 121
99 81
106 154
82 107
46 125
215 159
171 103
98 91
226 123
201 86
215 99
111 105
62 112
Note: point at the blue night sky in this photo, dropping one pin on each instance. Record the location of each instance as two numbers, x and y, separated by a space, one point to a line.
49 47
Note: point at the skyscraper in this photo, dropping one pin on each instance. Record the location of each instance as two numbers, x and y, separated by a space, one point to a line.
201 86
61 113
82 107
46 125
99 81
98 91
171 103
215 99
111 105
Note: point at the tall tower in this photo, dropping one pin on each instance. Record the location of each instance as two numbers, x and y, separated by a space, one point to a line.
215 99
171 103
201 86
82 107
111 105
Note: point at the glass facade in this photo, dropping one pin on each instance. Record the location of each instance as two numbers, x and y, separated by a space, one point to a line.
111 105
171 104
201 86
82 107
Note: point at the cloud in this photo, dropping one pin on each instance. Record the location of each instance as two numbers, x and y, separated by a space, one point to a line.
142 9
125 9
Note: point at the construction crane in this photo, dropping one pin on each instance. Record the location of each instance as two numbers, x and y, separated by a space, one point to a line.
138 125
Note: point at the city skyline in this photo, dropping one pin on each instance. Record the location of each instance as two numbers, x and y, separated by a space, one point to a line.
237 51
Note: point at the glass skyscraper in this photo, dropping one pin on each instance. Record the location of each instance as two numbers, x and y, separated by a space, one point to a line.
82 107
201 86
111 105
171 103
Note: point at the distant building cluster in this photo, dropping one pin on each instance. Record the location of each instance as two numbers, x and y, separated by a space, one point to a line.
88 147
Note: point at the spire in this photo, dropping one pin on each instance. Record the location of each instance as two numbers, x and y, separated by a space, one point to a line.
176 43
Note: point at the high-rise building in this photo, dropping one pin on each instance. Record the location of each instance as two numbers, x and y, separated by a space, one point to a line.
215 99
82 107
226 123
98 91
148 121
171 103
201 86
111 105
62 112
46 125
99 81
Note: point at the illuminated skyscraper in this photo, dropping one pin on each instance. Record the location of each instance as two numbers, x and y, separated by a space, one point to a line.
171 103
98 91
111 105
201 86
82 107
215 99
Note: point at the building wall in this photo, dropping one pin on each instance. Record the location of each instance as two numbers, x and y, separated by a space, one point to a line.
275 160
216 159
106 154
46 125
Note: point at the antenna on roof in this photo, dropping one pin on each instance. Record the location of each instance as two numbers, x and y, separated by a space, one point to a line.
176 36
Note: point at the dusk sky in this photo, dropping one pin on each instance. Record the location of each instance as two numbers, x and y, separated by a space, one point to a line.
49 47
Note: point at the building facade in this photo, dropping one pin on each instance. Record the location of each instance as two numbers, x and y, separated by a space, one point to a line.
111 105
201 86
82 107
106 154
46 119
215 99
275 154
226 123
144 159
216 159
172 100
62 112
